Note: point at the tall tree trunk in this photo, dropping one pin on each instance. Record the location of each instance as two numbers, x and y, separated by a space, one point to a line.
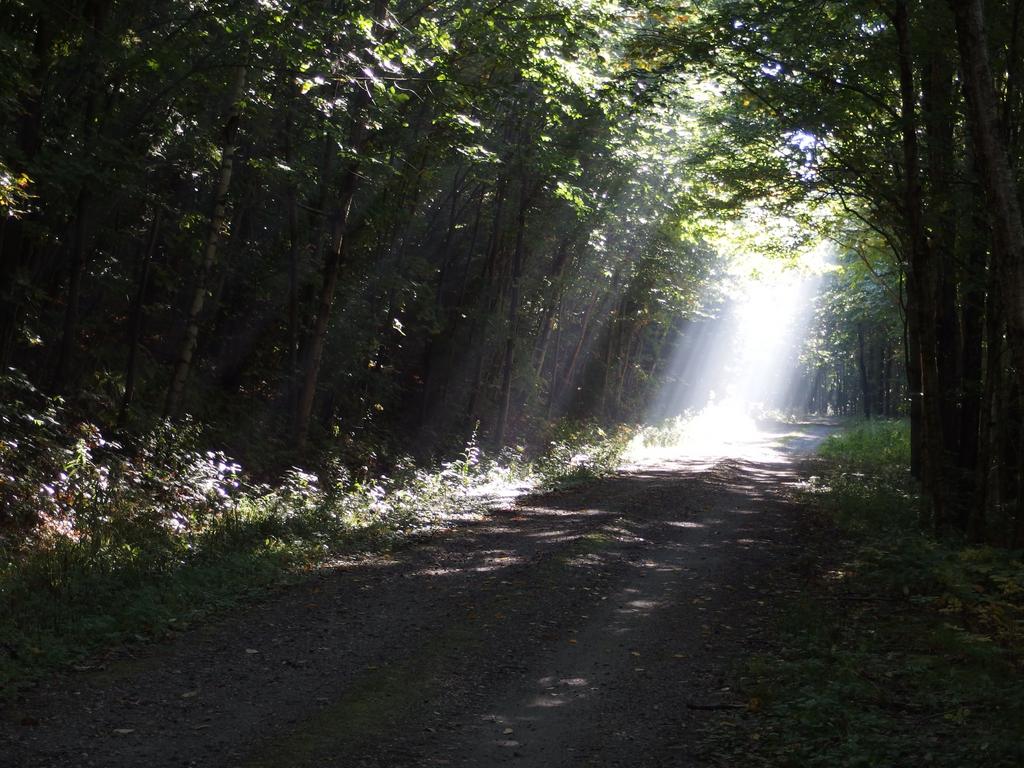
992 152
434 348
321 321
612 338
76 265
1010 461
882 382
939 118
137 315
556 275
922 276
912 366
512 323
988 426
972 416
862 365
626 366
295 245
97 13
460 302
570 375
993 157
889 391
487 303
358 136
552 381
176 390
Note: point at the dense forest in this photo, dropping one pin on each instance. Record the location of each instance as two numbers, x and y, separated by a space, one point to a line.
589 382
341 223
362 230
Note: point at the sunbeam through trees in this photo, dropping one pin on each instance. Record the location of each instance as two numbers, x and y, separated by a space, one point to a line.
285 278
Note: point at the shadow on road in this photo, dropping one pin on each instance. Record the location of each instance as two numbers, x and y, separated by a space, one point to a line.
592 626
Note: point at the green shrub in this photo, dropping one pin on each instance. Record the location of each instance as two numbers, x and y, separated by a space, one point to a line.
581 451
865 481
881 448
102 541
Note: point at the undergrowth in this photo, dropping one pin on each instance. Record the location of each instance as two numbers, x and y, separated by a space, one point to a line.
904 651
102 542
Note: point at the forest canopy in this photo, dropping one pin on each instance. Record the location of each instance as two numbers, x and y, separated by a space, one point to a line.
355 230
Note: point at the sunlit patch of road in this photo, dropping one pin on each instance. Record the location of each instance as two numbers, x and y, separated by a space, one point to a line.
723 431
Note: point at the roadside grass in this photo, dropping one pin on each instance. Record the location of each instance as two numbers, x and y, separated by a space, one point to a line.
100 544
902 650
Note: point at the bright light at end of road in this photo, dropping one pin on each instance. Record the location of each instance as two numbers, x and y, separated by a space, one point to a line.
747 363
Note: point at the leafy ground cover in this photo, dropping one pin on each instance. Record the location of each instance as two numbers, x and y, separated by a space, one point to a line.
102 542
901 649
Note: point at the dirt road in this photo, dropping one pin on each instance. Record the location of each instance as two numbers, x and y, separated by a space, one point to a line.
596 626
